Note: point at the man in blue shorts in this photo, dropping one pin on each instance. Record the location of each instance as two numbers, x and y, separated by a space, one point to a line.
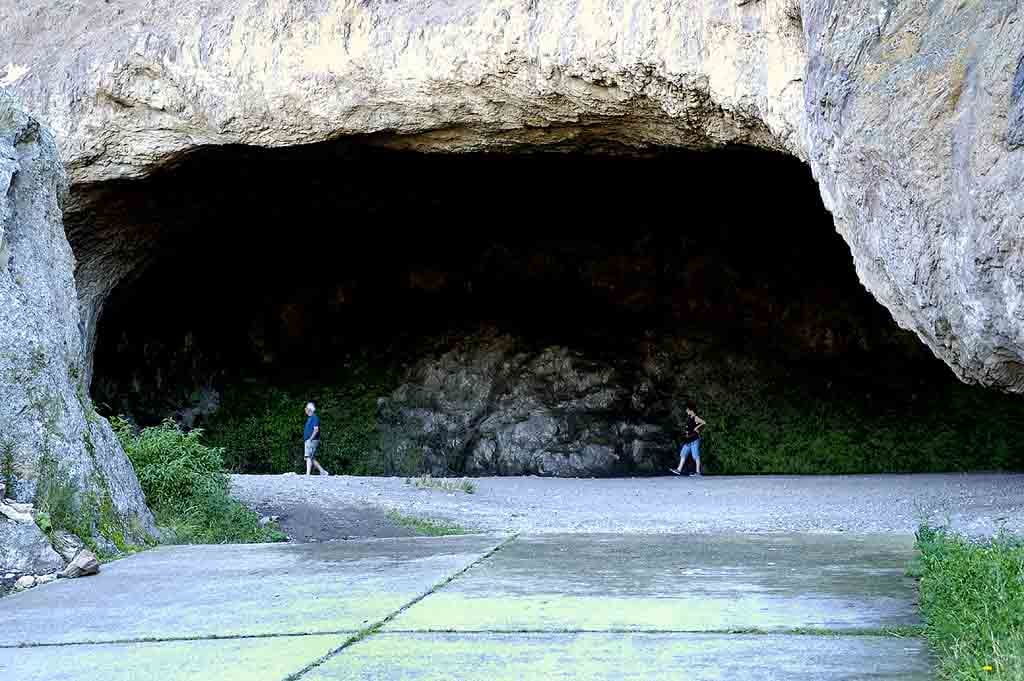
691 439
311 440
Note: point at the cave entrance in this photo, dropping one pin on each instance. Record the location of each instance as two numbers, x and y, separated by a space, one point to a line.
539 313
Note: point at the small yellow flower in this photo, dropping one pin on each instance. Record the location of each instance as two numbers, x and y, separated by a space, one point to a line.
987 668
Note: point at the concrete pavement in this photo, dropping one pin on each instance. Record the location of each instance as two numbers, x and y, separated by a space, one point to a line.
481 607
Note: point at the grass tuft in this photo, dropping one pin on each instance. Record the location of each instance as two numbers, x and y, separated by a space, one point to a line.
426 526
972 598
446 484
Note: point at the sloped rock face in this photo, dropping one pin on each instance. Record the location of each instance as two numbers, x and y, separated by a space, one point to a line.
50 435
493 406
909 114
914 132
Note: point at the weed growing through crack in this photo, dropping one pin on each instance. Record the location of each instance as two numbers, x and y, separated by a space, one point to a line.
426 526
446 484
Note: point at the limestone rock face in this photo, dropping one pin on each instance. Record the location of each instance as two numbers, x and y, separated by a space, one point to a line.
491 406
50 435
25 550
909 114
914 127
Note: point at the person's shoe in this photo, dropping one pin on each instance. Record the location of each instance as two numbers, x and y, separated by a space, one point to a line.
673 471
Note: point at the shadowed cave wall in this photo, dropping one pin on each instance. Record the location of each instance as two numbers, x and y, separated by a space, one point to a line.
540 314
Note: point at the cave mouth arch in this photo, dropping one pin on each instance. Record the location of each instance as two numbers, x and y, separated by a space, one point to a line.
601 277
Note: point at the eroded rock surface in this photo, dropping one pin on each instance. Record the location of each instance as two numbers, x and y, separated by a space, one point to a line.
492 406
25 550
51 439
908 113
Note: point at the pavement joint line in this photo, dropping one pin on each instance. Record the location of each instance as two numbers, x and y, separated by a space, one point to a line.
172 639
377 626
910 632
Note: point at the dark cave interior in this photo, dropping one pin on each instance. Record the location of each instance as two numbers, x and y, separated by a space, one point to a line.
280 264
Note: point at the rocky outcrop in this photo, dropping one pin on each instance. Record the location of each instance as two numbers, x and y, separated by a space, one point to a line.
25 550
913 127
494 406
54 448
909 114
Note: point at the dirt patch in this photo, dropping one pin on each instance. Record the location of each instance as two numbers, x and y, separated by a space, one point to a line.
305 522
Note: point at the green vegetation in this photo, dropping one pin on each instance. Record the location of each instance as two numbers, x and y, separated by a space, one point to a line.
260 424
766 419
43 522
186 487
446 484
7 475
426 526
61 506
766 415
972 598
57 500
37 360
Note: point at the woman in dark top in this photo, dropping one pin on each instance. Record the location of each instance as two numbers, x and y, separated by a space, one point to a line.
691 440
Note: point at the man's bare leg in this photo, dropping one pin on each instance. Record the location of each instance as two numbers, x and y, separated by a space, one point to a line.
309 465
320 468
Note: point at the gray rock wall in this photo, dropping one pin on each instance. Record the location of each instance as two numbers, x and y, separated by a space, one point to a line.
494 406
913 125
50 435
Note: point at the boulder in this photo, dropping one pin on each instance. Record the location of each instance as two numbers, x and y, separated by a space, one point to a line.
26 582
24 549
13 513
66 544
46 579
85 563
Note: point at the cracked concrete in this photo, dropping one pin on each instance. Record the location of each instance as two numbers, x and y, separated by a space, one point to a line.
482 607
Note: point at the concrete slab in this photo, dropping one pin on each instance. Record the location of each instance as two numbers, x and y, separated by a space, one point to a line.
646 657
233 590
677 583
252 659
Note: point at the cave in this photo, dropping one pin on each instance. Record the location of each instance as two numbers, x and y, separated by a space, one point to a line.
542 312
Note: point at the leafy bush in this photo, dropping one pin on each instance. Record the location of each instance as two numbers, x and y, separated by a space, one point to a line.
765 416
260 424
185 485
972 598
785 421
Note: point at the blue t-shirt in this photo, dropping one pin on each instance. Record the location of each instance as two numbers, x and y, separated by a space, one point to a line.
311 423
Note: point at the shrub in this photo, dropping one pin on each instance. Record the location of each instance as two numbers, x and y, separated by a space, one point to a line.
259 426
185 485
972 598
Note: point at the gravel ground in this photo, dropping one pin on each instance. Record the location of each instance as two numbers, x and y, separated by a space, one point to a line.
976 504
